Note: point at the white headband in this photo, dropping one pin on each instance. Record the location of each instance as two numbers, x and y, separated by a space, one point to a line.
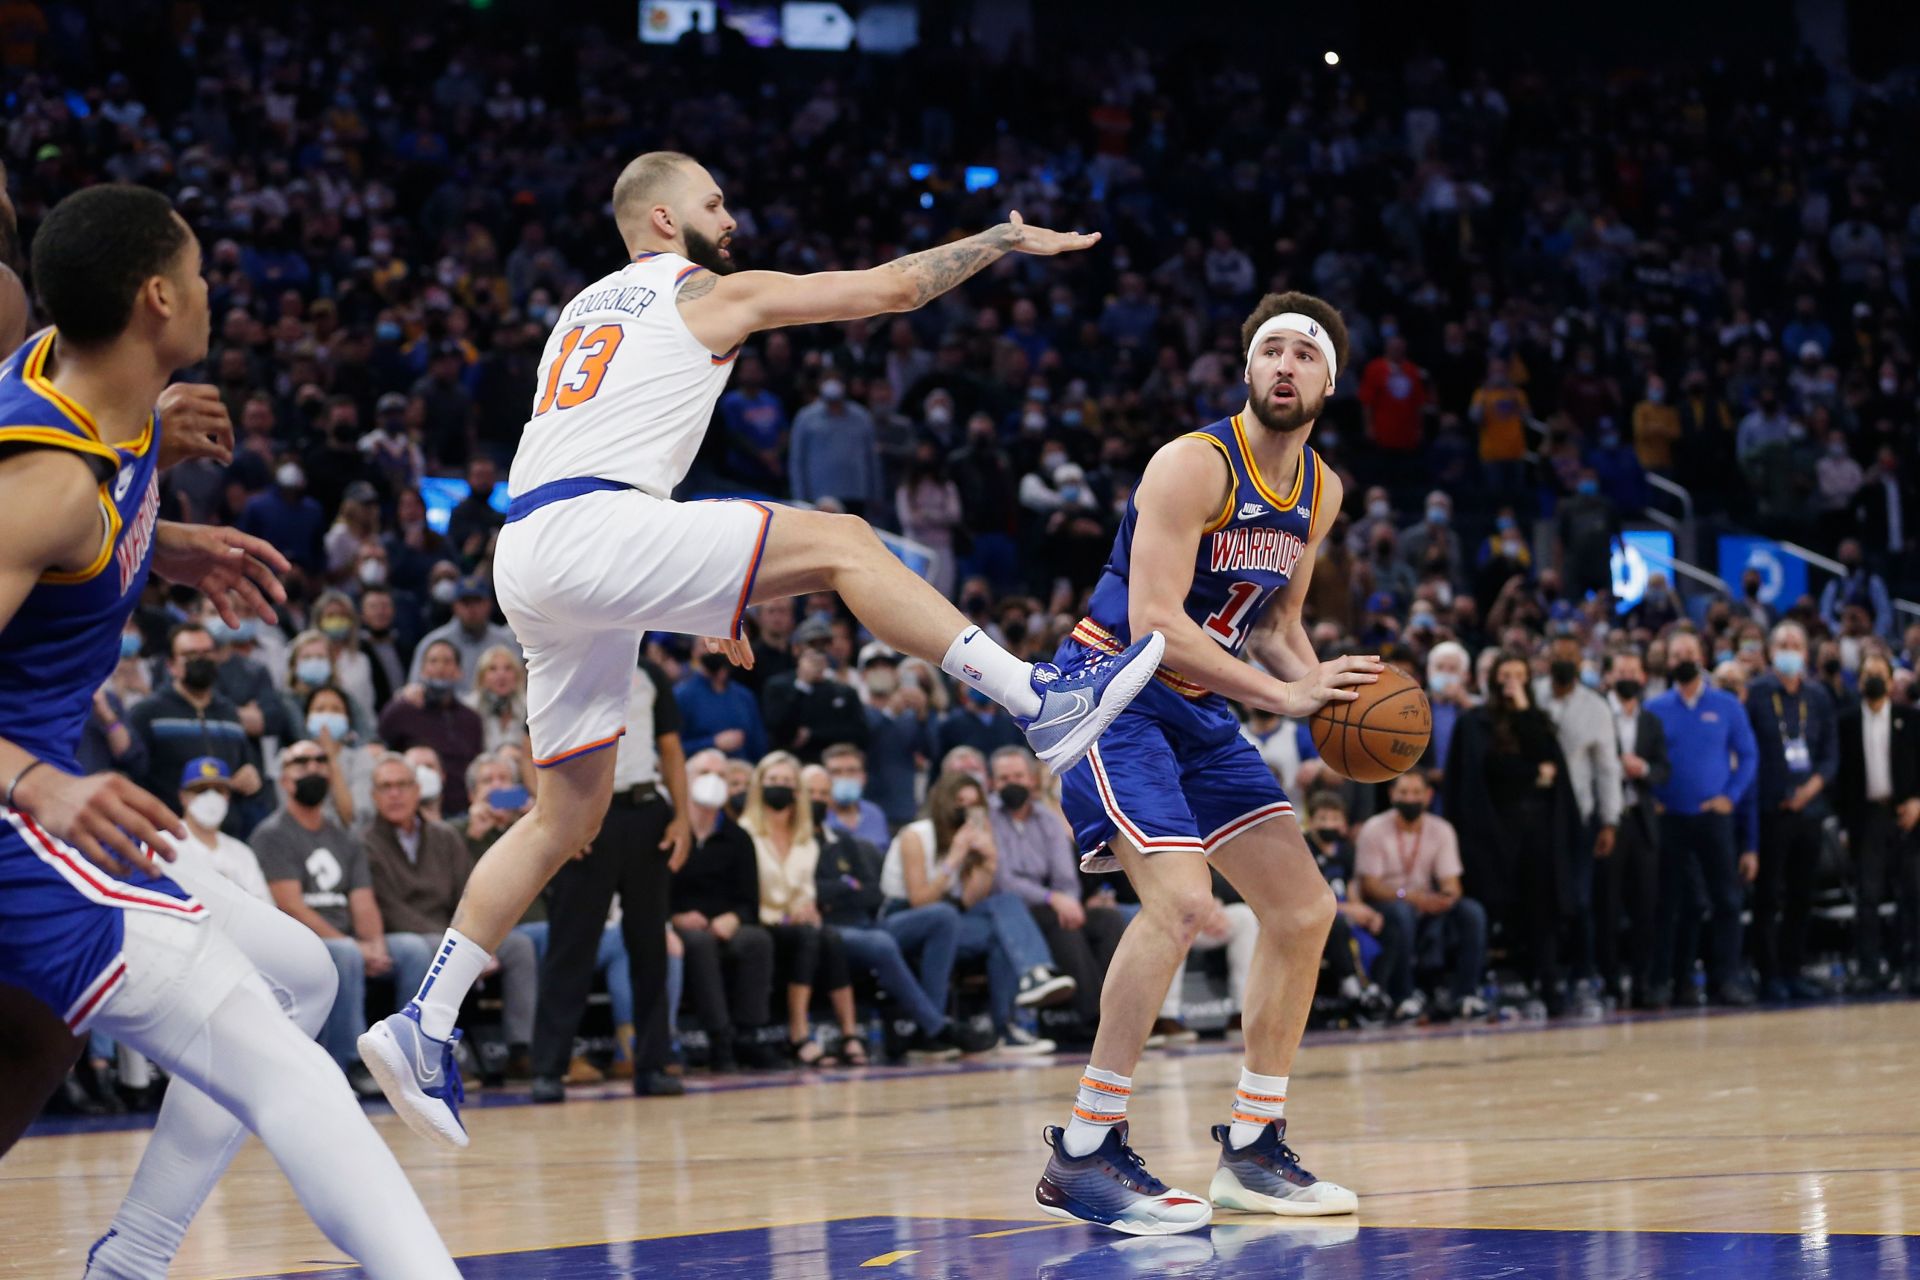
1294 322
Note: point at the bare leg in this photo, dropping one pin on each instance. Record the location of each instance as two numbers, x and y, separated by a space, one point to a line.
1273 870
565 818
36 1050
844 1013
799 998
814 551
1176 896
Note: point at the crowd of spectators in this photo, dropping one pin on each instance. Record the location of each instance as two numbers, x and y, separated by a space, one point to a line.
1555 289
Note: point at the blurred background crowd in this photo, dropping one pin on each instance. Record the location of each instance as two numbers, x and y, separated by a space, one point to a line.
1583 303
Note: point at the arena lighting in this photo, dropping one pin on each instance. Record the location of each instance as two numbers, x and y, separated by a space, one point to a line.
1333 59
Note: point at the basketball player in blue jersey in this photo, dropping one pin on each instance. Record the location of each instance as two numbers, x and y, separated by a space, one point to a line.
1214 553
221 990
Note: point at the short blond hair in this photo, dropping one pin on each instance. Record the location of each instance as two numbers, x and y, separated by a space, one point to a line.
643 182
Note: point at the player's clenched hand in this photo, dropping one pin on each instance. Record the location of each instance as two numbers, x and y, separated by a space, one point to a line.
1043 242
194 423
1333 681
103 815
739 652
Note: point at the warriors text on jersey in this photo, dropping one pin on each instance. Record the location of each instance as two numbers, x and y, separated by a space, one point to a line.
60 922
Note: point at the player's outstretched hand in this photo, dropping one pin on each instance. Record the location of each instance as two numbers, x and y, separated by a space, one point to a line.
238 572
103 815
739 652
1043 242
1333 681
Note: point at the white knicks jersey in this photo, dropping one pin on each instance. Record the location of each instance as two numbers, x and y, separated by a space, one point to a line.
625 390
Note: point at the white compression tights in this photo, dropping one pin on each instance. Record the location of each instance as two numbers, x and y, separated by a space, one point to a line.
250 1064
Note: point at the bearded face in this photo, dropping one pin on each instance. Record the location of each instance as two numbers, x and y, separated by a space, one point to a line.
1287 383
709 253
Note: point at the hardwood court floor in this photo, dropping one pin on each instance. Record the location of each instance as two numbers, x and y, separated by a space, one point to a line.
1793 1131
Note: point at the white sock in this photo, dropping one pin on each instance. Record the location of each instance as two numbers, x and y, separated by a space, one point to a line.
1257 1100
976 659
1100 1104
456 967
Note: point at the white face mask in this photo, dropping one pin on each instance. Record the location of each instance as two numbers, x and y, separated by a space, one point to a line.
709 791
208 808
429 781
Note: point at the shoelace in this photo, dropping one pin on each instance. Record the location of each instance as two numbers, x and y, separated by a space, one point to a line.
1287 1158
450 1065
1136 1169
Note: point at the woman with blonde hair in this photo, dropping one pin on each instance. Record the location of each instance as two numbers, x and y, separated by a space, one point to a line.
336 617
787 851
499 697
310 666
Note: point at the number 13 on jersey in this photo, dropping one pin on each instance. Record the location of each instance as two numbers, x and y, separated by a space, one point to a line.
575 375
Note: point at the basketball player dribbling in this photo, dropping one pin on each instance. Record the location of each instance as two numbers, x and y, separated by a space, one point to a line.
1215 552
222 991
595 553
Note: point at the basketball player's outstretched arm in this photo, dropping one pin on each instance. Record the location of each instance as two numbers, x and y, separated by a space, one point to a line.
1182 491
722 310
50 519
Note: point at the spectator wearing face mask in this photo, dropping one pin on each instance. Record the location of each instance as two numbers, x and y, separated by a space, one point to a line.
288 518
206 792
1627 883
1877 794
808 710
1500 410
927 503
431 714
1409 869
1617 468
188 720
848 809
716 712
245 681
835 453
471 630
1796 739
898 737
1589 526
1378 512
1433 543
1449 693
1858 586
310 667
326 723
335 618
383 642
1656 428
432 779
418 557
499 697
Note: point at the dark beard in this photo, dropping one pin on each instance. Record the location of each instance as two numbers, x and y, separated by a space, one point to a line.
703 252
1286 420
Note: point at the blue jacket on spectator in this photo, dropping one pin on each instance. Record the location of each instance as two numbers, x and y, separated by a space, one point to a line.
1778 716
893 741
706 712
294 528
1712 748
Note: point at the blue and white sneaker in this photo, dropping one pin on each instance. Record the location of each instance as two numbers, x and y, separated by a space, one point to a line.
1112 1188
1077 707
418 1074
1265 1177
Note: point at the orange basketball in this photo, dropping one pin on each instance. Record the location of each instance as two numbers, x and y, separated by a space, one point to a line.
1378 736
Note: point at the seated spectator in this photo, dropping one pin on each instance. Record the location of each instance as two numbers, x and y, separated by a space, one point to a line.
787 855
244 680
808 710
205 790
433 781
431 714
968 760
716 915
351 760
1353 943
976 721
419 869
849 897
190 719
499 697
471 630
1408 864
496 800
949 855
1038 864
335 617
716 712
310 667
848 810
318 874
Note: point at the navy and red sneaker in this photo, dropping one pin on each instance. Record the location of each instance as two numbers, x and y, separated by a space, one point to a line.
1112 1188
1265 1177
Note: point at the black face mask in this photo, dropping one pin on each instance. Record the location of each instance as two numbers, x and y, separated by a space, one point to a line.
1327 836
1830 668
1562 672
1628 690
820 813
1685 672
1409 810
1013 796
735 804
310 789
1873 688
714 663
198 674
778 799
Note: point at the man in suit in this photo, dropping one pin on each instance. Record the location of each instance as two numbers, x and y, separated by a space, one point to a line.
1627 880
1878 795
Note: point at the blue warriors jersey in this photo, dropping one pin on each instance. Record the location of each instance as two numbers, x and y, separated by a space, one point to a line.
1249 551
60 922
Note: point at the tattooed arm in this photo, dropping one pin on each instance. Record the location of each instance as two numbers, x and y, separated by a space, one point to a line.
722 310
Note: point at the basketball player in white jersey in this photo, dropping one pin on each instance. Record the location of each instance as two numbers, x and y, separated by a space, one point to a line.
595 553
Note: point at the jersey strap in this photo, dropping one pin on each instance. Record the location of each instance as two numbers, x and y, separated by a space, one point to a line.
1233 476
1094 636
1252 471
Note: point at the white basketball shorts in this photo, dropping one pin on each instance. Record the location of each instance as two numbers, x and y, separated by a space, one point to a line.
582 580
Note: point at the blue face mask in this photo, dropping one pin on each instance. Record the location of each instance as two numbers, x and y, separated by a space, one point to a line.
333 723
1790 663
313 671
1504 523
1589 486
846 791
388 332
1442 681
1437 515
130 644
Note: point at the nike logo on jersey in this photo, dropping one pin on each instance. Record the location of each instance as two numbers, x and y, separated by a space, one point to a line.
1082 703
1251 511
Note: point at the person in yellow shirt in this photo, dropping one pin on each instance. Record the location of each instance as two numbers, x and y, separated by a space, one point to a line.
1501 411
1656 427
